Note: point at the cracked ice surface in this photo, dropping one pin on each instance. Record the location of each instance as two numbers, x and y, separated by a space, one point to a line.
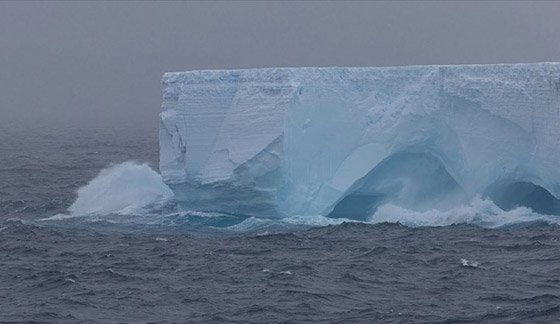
310 141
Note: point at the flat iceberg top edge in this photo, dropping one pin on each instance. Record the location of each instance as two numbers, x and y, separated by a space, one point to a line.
278 142
263 74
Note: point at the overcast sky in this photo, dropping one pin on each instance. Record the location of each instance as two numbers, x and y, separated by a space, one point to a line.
99 63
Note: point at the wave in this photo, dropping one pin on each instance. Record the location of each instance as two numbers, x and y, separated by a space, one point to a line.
482 212
126 188
132 192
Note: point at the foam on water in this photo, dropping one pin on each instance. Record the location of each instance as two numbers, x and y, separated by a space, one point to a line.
260 224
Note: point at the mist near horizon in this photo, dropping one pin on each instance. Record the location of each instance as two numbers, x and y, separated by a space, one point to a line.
91 64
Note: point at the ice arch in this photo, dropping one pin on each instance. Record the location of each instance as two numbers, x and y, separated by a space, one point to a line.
413 180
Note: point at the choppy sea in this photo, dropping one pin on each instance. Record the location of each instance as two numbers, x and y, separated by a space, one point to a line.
88 234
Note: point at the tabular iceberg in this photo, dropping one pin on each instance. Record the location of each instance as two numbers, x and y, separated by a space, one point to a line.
341 142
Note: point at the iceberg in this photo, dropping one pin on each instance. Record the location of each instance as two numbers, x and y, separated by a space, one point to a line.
342 142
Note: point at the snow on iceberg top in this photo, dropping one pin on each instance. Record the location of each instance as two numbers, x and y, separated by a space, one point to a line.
319 73
301 140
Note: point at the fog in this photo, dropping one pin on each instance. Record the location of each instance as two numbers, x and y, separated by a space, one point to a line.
100 63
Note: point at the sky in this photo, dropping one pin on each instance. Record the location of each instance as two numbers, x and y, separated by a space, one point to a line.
88 64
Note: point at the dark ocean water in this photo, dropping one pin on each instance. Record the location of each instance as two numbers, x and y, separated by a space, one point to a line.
164 266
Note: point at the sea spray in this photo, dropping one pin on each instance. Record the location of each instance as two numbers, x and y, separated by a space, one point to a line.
479 211
120 189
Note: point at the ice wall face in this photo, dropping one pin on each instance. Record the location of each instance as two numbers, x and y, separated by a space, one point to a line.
343 141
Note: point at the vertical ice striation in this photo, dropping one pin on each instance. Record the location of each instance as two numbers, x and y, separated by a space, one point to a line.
343 141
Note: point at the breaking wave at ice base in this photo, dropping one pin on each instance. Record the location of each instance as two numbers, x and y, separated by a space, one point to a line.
479 211
133 193
127 188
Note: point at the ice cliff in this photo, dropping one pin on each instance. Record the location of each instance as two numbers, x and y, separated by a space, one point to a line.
344 141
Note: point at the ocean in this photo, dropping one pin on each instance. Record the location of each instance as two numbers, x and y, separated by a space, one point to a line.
82 245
